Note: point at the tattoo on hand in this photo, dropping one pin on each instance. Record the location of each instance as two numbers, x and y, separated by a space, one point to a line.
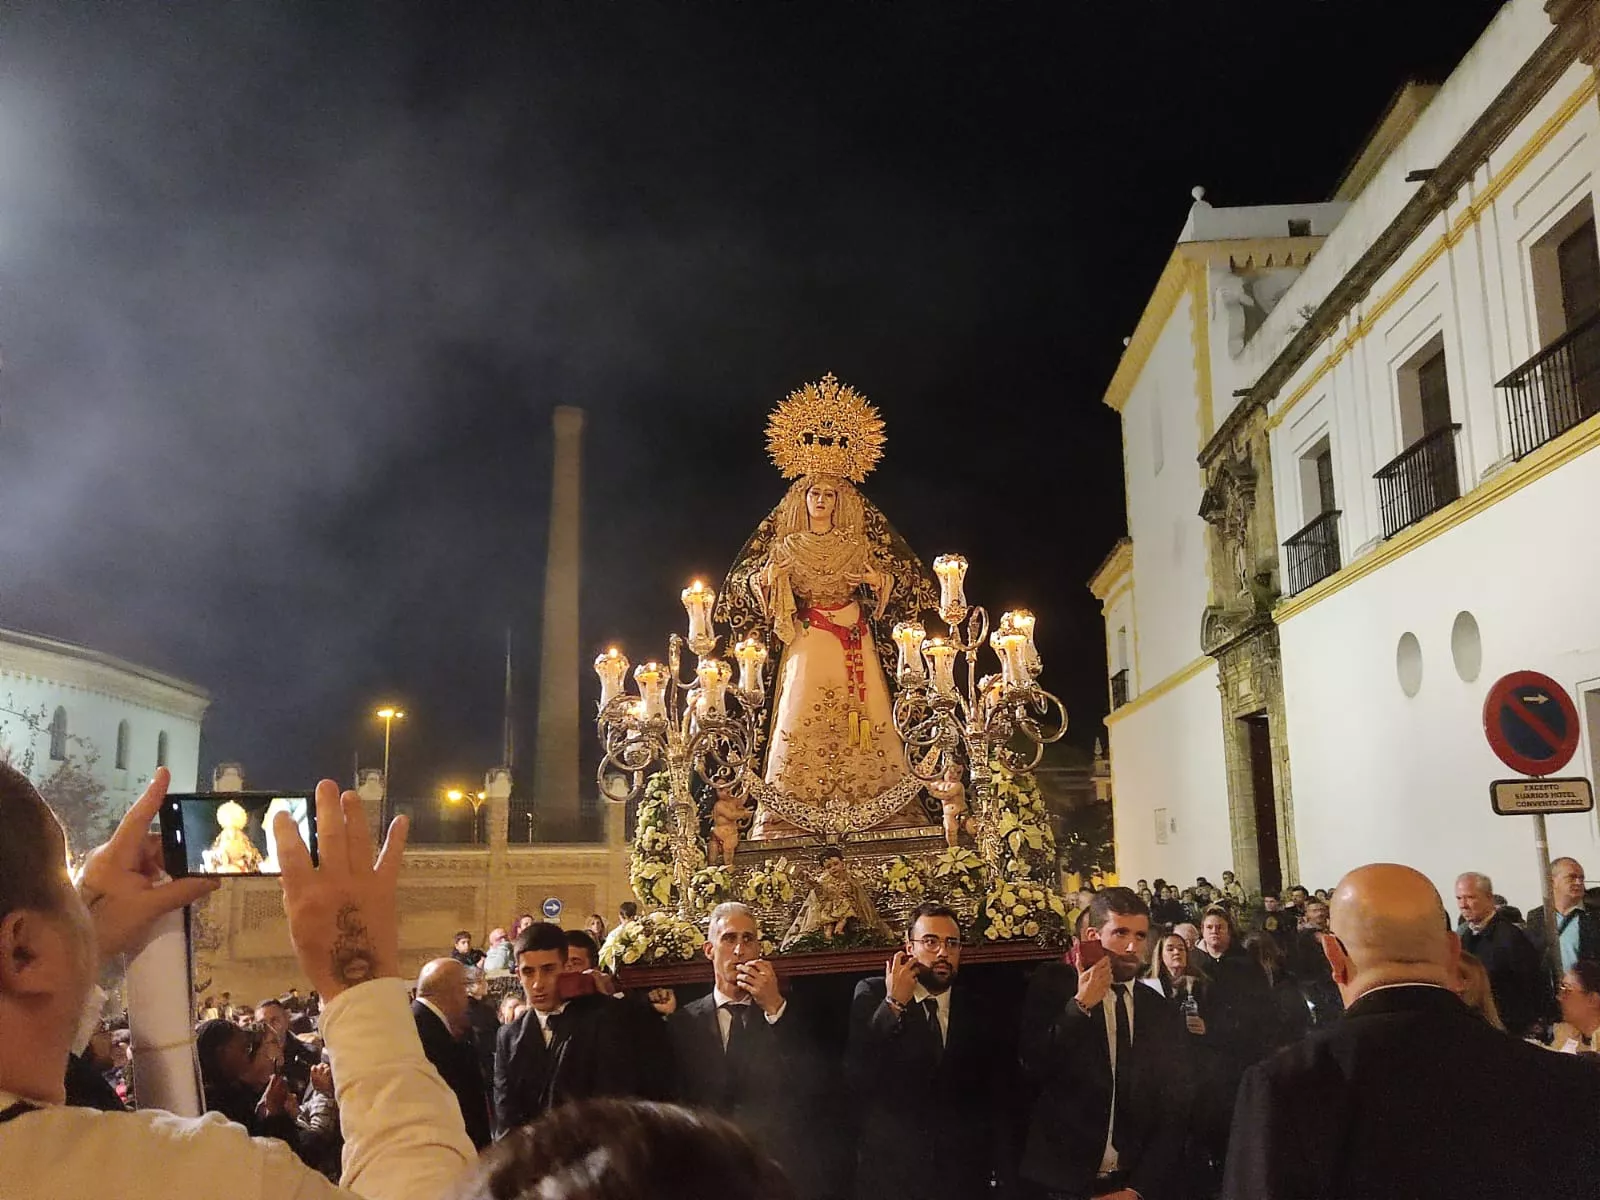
354 960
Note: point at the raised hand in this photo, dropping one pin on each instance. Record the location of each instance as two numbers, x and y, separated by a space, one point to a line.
900 976
122 882
761 981
1094 983
664 1001
343 919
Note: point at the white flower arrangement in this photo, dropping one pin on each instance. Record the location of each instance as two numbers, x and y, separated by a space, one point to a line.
1017 908
657 937
770 883
904 876
710 886
958 871
651 881
650 867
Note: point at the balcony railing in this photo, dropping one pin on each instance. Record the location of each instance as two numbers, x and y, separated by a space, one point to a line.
1119 689
1557 388
1422 480
1313 553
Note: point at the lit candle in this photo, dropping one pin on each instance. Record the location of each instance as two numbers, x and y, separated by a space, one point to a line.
941 656
612 667
652 681
714 675
952 572
1023 622
909 636
751 656
698 601
1012 647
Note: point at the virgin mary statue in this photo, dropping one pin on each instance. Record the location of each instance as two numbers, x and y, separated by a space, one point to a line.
822 581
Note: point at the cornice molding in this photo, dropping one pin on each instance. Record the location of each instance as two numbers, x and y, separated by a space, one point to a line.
1117 565
1177 679
85 670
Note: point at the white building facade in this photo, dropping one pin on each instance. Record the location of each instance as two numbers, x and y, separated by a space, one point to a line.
1394 400
67 705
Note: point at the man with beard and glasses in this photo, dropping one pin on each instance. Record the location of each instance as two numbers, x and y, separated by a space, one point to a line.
925 1060
1111 1065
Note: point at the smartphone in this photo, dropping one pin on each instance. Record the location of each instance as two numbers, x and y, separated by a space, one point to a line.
572 984
230 833
1086 953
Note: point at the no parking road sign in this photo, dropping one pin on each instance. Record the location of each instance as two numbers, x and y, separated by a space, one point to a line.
1531 723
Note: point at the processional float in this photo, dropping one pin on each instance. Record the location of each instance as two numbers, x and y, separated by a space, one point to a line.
884 766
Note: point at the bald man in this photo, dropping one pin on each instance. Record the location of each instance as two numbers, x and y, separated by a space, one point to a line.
444 1024
1378 1105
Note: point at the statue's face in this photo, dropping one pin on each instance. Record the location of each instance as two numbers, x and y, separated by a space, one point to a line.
821 502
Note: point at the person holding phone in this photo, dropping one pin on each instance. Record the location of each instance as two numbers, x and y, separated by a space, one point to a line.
403 1132
1111 1063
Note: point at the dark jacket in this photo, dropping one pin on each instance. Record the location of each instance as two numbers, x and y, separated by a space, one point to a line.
87 1087
1517 979
1366 1108
1066 1053
591 1055
456 1060
912 1096
766 1090
1588 932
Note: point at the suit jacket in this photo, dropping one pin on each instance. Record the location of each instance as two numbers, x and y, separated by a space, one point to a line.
1517 979
457 1063
767 1092
915 1097
591 1055
1067 1054
1370 1107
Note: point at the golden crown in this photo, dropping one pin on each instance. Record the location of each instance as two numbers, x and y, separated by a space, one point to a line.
825 428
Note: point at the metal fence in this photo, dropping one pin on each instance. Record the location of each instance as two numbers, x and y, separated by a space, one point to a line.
1313 553
1555 389
1421 480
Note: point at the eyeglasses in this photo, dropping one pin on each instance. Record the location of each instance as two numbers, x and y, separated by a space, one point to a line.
933 942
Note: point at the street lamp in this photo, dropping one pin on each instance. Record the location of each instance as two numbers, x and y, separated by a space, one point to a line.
388 715
476 799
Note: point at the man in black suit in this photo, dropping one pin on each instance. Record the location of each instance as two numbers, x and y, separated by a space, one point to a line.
1577 926
923 1060
1517 980
741 1051
1383 1082
1110 1058
572 1042
443 1024
298 1058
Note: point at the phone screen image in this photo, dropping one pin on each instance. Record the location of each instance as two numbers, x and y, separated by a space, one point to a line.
231 834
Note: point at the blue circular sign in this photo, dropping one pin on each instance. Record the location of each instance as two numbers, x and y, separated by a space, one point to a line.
551 908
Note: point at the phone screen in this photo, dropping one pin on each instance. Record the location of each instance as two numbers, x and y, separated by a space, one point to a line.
231 833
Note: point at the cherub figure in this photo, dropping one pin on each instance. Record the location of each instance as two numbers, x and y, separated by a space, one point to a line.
232 853
949 791
728 814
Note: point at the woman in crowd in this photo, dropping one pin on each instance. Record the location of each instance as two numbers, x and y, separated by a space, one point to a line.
1171 973
1290 1015
1579 1029
1474 990
241 1081
627 1149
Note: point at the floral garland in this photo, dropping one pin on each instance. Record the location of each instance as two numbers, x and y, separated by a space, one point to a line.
770 883
657 937
651 871
1018 908
957 872
710 886
902 876
1021 901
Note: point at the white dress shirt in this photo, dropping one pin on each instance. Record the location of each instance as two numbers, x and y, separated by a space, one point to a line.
942 999
1108 1009
544 1023
725 1018
404 1139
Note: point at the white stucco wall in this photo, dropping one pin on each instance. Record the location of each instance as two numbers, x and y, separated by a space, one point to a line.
1168 755
1379 775
98 692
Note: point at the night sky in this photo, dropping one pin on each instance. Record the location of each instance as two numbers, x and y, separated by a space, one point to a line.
287 292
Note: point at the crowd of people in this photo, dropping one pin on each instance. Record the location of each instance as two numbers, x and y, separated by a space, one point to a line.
1158 1059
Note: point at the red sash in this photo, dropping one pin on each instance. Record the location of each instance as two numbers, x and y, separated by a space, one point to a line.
852 638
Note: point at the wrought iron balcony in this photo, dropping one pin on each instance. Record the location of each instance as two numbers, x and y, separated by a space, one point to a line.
1313 553
1421 480
1557 388
1119 689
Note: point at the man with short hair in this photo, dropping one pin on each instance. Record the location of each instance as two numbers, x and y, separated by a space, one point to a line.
404 1135
1577 927
441 1010
1408 1052
298 1058
1517 980
464 952
1110 1060
498 956
742 1052
583 952
627 911
924 1058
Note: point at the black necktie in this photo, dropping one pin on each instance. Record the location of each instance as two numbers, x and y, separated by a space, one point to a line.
739 1029
554 1023
931 1006
1124 1028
